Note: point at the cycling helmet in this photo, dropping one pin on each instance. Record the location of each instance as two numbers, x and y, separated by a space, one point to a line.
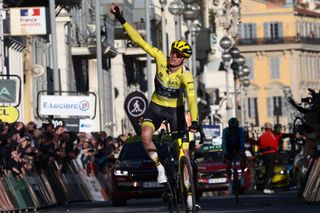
233 122
183 47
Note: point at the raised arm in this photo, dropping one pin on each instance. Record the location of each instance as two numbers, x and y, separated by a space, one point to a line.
134 34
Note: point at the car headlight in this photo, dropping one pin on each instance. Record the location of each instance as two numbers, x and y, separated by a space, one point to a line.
119 172
282 172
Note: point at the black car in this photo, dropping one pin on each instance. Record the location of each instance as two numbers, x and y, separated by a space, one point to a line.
134 174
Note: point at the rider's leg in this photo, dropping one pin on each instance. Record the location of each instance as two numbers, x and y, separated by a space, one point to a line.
227 161
269 163
150 148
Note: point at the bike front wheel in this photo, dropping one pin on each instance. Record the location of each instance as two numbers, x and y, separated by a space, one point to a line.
187 189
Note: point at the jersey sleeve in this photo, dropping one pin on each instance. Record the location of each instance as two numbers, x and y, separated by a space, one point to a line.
188 82
137 38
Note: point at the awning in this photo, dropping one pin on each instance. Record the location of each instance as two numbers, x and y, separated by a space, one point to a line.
91 52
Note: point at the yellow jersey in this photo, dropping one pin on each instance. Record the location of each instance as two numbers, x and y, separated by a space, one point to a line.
169 88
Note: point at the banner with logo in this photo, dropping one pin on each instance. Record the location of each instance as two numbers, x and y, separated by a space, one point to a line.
7 91
136 105
66 105
28 21
9 114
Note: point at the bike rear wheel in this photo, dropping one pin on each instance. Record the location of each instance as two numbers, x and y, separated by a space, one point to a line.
236 184
172 187
187 189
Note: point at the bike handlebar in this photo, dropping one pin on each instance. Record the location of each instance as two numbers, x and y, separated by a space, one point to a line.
182 133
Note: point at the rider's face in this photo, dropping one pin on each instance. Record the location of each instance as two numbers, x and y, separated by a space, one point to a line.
176 58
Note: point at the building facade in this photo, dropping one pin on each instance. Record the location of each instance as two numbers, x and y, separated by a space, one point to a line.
280 41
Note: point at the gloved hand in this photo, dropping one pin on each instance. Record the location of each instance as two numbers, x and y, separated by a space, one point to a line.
194 127
115 9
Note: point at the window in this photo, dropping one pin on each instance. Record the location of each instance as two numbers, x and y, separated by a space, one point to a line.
273 31
275 106
252 107
249 63
274 68
248 32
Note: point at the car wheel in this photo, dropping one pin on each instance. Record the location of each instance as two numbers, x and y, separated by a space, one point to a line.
118 202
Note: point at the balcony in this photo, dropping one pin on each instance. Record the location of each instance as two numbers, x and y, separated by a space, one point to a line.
282 40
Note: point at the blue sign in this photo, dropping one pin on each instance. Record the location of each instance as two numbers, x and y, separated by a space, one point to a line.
212 131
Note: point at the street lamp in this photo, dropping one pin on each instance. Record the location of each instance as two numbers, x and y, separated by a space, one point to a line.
194 31
176 9
163 4
225 44
244 84
237 67
291 112
190 13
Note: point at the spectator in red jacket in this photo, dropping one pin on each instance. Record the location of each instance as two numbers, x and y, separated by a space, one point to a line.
268 146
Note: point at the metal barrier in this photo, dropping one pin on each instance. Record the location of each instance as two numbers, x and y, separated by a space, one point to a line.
33 190
312 190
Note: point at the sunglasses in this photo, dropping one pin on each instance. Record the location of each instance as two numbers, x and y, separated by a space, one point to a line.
177 53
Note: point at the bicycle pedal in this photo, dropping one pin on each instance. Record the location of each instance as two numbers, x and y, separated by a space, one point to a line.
166 197
197 207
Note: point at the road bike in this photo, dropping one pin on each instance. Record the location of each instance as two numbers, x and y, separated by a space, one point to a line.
180 191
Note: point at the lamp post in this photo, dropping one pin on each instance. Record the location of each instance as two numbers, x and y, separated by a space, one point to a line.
176 9
288 94
100 79
225 44
190 12
163 4
56 76
194 31
237 67
244 83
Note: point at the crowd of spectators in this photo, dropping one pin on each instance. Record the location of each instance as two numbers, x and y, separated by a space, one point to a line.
24 147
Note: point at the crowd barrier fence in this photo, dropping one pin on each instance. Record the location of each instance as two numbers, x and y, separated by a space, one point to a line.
35 190
312 189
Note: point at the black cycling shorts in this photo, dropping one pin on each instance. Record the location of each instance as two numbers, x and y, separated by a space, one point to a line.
156 114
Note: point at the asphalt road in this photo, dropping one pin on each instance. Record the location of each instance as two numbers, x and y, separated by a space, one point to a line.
281 202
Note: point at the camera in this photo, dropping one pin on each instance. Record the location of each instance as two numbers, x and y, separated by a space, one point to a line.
305 100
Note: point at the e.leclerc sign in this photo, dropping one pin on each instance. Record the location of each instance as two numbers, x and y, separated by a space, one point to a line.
9 114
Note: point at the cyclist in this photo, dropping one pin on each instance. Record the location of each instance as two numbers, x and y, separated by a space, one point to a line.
167 102
233 140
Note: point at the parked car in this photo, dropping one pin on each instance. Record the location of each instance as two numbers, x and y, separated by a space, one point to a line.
134 174
212 174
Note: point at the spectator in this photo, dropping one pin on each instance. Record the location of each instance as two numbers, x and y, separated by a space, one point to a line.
268 146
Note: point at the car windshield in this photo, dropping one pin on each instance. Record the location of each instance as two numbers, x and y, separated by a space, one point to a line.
135 151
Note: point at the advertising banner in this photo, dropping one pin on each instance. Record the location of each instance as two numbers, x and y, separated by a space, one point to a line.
86 125
28 21
66 105
7 91
9 114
